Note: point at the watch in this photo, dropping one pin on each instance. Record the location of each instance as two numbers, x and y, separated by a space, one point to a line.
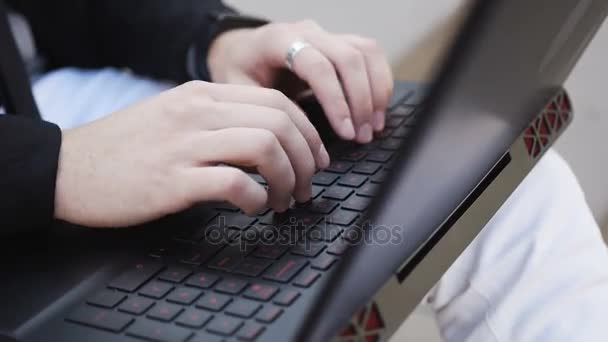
220 22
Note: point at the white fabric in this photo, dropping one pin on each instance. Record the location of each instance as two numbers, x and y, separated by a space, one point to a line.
537 272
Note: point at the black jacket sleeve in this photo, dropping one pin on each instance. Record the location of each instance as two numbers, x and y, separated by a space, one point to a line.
29 153
151 37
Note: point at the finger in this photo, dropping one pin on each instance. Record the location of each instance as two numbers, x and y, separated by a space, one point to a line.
351 67
251 147
379 73
223 183
274 99
318 72
281 125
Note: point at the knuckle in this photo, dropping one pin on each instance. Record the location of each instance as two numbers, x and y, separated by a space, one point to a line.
277 98
320 66
195 86
266 143
282 124
370 45
352 59
235 182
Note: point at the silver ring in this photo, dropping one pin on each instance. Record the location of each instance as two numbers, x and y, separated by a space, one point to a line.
293 51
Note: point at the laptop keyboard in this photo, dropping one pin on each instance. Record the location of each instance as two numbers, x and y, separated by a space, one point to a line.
216 283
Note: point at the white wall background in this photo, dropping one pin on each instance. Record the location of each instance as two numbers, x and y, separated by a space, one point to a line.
401 25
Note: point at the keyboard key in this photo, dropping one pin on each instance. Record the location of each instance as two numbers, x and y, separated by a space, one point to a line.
100 318
197 255
324 232
107 299
213 301
324 178
403 110
353 156
250 331
394 122
228 259
243 308
338 193
175 274
380 156
286 269
225 326
340 167
343 217
162 252
338 248
368 190
184 295
391 144
165 312
136 275
323 206
156 290
306 278
367 168
287 297
316 191
202 337
154 331
386 132
136 305
270 252
379 177
357 203
252 267
402 132
239 221
202 280
308 248
323 262
268 314
299 215
353 180
193 318
225 206
261 292
231 286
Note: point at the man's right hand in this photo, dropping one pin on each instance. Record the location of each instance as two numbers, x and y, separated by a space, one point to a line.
163 155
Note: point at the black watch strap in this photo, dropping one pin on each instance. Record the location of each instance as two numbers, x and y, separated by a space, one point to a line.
221 22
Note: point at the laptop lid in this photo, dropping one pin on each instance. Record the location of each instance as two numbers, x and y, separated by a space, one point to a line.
508 60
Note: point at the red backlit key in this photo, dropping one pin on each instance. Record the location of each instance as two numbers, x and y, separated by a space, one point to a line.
136 275
250 331
231 286
324 262
286 297
286 269
225 326
202 280
261 292
156 289
136 305
269 314
184 296
193 318
175 274
306 278
165 312
213 302
243 308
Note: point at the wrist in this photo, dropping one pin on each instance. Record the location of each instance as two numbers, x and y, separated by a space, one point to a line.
223 52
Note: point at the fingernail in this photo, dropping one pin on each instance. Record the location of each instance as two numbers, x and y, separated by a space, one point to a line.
366 134
379 118
347 129
324 157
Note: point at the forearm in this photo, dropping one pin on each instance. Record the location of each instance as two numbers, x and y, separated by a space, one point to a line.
29 152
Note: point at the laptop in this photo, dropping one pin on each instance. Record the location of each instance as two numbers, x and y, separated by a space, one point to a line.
386 221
